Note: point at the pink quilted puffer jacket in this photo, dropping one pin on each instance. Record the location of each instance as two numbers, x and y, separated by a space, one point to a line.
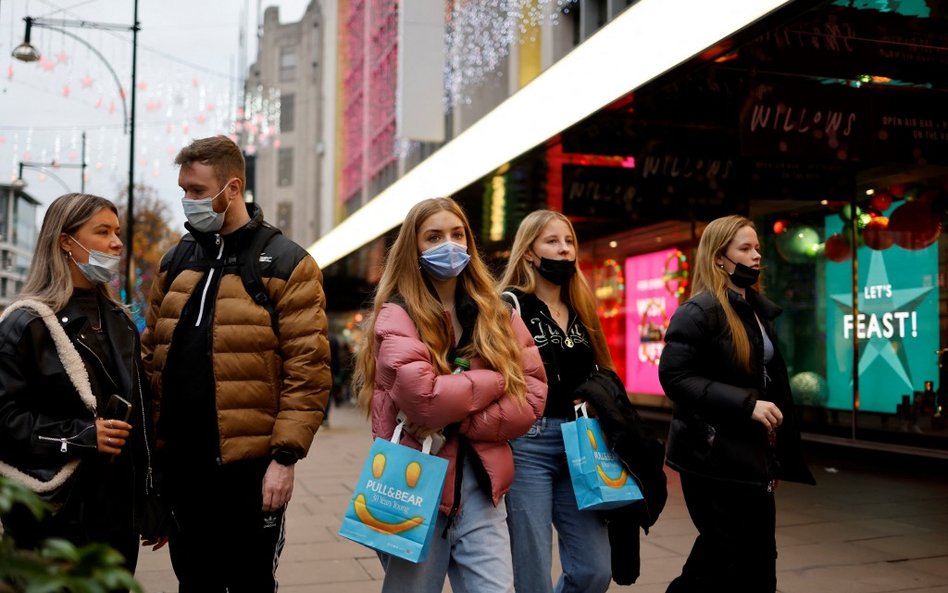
406 379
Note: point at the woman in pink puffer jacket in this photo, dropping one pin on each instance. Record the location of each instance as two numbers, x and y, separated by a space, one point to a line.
443 350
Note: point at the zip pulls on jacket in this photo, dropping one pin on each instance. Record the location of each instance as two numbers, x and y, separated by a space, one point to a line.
66 441
207 283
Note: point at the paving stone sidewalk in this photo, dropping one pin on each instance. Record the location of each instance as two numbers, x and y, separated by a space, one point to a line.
868 527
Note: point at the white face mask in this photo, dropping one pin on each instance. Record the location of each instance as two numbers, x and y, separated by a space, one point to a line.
101 268
200 213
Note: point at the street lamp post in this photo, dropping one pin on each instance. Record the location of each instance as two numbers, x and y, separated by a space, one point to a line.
26 52
19 183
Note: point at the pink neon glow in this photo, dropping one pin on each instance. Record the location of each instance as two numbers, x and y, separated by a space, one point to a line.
649 305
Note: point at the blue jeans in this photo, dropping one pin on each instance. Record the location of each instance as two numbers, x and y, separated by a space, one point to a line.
475 555
541 496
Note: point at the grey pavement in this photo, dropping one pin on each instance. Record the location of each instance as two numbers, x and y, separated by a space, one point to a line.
871 525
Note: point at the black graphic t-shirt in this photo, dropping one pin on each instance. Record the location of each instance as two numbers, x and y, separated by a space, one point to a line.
568 357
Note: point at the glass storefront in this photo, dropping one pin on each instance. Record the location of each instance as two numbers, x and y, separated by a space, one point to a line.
827 125
830 131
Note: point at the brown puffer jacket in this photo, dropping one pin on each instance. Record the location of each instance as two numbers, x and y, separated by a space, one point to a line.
271 392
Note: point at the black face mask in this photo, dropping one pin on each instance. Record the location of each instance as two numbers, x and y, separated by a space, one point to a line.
557 271
743 276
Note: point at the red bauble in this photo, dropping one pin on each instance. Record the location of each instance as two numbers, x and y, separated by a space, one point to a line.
897 190
914 225
876 235
837 248
881 202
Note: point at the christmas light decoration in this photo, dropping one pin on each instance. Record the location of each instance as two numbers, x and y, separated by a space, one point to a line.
480 35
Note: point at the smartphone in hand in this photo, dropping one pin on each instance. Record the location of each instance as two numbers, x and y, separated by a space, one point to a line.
117 408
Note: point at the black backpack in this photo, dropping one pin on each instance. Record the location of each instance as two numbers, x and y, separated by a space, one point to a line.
250 274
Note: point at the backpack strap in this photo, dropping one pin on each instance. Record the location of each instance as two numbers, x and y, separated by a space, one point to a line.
512 299
181 254
251 276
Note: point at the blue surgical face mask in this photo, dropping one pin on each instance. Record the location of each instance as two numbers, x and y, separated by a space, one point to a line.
201 214
445 261
101 268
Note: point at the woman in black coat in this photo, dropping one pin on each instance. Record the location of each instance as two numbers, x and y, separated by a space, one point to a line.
732 436
73 424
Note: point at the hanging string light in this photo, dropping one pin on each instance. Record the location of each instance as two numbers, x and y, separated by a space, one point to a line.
480 34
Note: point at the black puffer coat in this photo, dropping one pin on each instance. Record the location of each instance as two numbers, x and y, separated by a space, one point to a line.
712 433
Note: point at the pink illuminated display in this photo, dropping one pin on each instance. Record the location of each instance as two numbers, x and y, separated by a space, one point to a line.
651 282
369 75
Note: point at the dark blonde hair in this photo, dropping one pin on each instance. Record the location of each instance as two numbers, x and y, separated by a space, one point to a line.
49 280
519 275
218 152
493 338
709 277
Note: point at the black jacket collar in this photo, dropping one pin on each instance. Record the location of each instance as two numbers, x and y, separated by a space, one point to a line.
764 307
239 238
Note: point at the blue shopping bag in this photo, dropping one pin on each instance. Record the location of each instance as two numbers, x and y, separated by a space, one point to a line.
394 506
600 480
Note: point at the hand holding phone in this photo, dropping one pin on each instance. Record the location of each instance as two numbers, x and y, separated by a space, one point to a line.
117 408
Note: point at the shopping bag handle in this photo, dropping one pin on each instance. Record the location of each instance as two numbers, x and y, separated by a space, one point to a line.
577 408
397 435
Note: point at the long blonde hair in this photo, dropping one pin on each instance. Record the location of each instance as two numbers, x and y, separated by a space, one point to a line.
49 280
493 339
709 277
519 275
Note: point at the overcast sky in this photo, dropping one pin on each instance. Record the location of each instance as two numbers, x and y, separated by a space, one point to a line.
188 84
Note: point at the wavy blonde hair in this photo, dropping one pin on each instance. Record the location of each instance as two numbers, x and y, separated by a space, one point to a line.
49 280
520 275
493 338
709 277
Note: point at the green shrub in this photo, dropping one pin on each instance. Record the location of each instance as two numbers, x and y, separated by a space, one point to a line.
57 565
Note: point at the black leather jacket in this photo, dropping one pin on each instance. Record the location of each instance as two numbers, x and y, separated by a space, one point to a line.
712 433
45 423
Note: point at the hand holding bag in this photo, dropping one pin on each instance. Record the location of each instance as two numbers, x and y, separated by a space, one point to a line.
600 480
394 506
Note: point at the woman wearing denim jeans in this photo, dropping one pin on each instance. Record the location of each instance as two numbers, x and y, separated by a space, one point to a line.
557 305
444 352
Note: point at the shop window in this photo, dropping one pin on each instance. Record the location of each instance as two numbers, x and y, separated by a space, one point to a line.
284 216
285 166
287 112
287 64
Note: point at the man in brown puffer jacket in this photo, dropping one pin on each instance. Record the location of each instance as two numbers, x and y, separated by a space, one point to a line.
238 395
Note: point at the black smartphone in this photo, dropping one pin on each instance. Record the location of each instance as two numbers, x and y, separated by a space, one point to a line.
117 408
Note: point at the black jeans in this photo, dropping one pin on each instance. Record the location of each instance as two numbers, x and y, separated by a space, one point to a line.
222 540
735 550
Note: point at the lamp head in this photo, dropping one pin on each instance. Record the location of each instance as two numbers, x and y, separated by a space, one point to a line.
25 52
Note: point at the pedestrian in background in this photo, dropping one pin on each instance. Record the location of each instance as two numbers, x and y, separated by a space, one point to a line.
78 402
559 309
733 434
444 350
240 380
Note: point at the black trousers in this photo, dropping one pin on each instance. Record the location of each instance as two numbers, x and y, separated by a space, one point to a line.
735 549
222 540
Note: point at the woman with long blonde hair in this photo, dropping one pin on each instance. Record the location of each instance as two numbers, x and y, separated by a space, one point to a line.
74 424
544 283
733 435
445 353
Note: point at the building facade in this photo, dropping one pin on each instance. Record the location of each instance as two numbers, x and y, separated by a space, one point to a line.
821 120
285 109
18 234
